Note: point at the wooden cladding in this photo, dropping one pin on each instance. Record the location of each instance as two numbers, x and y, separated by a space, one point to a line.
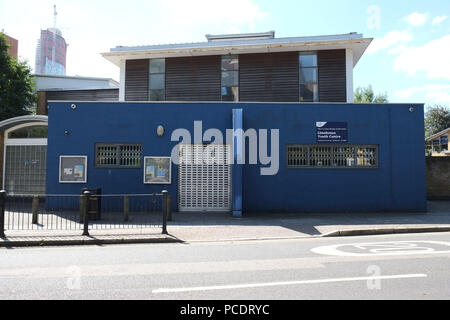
193 79
272 77
74 95
263 77
136 80
84 95
332 76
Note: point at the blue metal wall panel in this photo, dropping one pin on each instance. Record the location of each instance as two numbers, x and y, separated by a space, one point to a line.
398 184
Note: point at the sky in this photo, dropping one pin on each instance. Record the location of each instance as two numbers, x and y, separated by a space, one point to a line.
409 58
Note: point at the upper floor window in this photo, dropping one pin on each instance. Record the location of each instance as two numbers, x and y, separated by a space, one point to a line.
157 79
309 79
230 78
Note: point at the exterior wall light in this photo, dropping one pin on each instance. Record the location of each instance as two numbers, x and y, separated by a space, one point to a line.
66 132
411 109
73 106
160 131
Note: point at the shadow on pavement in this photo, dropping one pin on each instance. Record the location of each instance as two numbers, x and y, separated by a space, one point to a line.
315 223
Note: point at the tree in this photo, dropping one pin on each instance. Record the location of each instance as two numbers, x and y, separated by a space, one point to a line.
17 95
437 118
366 95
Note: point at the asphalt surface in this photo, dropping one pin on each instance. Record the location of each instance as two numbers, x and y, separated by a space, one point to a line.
409 266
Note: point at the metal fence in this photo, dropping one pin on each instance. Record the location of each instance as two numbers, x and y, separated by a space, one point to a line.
84 212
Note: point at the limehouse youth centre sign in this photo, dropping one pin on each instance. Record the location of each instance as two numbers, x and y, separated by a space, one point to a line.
332 132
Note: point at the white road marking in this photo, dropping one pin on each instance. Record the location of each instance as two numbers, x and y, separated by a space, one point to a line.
287 283
384 248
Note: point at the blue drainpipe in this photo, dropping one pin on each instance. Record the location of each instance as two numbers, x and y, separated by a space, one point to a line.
237 168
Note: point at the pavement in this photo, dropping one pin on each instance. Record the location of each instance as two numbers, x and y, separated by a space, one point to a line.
217 227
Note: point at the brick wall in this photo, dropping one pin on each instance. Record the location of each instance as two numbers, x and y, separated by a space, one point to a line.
2 148
438 178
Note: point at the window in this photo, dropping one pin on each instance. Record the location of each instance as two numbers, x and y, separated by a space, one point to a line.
33 132
110 155
337 156
157 80
366 157
230 78
309 79
440 144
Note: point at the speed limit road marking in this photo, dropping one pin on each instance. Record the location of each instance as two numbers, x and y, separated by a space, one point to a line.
384 248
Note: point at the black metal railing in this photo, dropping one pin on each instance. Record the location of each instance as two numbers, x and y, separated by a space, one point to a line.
84 212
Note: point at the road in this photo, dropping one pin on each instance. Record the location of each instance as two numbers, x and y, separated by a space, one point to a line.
408 266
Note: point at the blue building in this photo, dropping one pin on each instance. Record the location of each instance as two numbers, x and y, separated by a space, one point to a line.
331 157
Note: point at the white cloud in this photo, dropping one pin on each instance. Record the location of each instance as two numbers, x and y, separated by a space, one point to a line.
439 20
436 93
431 58
390 40
417 19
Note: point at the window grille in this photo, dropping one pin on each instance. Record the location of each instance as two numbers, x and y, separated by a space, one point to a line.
367 156
337 156
344 156
319 156
298 156
118 155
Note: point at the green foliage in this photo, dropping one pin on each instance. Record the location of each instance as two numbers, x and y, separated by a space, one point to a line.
366 95
437 118
17 95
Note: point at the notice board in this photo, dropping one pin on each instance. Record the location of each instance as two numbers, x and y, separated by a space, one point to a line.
72 169
157 170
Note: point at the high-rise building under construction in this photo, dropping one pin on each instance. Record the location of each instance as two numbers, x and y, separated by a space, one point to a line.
51 53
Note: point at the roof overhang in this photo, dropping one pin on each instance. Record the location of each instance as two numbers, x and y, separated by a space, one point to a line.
12 122
358 45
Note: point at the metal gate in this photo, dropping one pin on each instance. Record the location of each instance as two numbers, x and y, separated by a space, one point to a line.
25 167
204 178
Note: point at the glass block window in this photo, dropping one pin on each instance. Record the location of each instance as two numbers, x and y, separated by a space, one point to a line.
336 156
230 78
308 76
109 155
157 80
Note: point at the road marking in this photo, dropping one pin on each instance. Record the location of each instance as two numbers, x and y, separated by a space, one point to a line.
287 283
391 248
